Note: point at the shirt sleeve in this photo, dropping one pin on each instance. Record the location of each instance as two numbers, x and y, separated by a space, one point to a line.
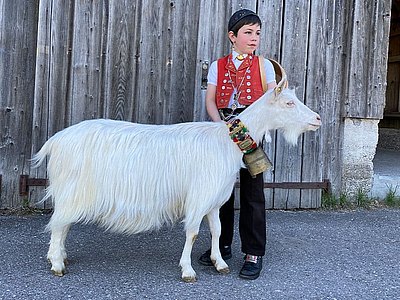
269 71
212 74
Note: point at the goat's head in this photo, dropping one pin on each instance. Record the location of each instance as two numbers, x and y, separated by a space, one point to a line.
281 110
291 116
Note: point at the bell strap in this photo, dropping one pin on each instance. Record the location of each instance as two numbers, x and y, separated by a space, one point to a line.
240 136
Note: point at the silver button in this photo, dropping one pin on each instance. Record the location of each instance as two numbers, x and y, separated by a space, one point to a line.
248 83
249 97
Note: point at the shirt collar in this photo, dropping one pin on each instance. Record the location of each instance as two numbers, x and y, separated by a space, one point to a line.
235 54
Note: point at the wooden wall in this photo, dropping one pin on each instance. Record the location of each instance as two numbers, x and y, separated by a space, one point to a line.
18 32
142 61
392 108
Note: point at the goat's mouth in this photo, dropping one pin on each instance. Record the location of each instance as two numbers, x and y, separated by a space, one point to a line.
314 126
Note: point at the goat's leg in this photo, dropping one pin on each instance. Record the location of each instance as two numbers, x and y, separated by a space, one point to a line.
57 254
215 229
188 274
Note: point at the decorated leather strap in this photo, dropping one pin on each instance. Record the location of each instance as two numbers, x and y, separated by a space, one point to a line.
240 136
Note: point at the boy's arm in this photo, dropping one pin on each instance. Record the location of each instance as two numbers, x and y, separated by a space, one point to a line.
211 106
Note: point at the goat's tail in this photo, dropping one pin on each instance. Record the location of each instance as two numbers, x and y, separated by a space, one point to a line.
40 156
38 159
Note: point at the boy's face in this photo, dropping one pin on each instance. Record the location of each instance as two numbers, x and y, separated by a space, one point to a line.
247 39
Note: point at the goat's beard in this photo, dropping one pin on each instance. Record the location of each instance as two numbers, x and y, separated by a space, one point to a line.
292 136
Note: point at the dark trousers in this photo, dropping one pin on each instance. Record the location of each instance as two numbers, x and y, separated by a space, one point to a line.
252 223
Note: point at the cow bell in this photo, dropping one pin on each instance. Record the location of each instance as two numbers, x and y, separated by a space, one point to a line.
257 162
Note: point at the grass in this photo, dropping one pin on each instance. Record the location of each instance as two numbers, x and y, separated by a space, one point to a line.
361 200
391 199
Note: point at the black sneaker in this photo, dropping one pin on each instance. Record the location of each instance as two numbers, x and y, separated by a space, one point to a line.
251 268
205 259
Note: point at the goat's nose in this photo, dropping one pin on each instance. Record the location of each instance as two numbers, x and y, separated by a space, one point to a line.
318 117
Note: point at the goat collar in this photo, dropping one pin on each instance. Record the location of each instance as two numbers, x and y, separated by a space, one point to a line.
240 136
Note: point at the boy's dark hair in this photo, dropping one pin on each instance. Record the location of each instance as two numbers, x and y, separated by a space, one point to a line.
242 17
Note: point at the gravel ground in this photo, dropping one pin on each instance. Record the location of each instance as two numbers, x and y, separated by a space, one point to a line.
310 255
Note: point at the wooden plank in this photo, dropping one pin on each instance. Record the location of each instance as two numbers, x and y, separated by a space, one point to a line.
153 23
368 59
119 58
179 62
394 59
321 152
18 32
288 165
271 15
212 43
393 88
84 94
52 79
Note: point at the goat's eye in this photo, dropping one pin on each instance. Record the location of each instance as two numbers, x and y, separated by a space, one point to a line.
290 104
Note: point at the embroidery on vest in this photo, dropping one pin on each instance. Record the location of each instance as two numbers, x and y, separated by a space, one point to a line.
240 136
238 87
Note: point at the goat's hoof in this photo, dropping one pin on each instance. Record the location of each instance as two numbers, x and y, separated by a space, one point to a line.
58 273
224 271
189 279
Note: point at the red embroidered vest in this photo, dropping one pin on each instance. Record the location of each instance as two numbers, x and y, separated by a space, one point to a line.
250 89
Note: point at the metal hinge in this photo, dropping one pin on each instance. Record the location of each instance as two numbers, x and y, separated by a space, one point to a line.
25 182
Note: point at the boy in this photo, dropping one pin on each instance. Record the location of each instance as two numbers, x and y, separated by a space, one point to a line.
234 82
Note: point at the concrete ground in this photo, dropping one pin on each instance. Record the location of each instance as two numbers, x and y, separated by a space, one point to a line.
310 255
386 172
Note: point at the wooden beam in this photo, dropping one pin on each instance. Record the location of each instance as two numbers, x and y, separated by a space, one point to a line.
25 182
393 59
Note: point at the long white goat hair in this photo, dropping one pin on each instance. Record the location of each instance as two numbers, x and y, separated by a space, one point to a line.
133 177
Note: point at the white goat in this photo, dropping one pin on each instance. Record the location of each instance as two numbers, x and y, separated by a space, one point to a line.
132 178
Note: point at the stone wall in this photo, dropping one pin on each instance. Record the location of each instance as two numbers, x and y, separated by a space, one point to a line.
359 145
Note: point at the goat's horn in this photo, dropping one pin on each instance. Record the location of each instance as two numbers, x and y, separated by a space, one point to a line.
280 75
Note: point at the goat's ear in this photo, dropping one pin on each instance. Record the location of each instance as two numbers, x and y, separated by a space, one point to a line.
280 76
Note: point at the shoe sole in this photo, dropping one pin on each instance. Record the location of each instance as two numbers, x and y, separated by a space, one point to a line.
249 277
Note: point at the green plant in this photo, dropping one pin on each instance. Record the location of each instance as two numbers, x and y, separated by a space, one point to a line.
330 201
362 199
391 199
344 202
25 203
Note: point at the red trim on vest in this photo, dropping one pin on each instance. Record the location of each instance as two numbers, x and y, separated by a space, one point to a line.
251 88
